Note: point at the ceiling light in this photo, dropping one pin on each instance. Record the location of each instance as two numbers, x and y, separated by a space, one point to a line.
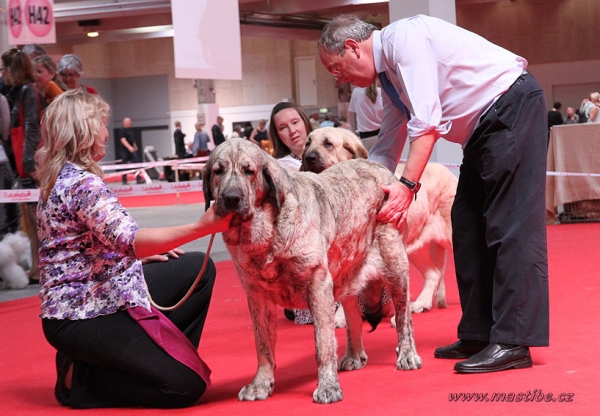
93 34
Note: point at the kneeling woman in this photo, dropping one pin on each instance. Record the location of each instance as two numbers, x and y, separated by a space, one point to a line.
96 268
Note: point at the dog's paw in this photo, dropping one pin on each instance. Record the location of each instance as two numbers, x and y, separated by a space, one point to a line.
419 306
408 360
253 392
329 393
350 363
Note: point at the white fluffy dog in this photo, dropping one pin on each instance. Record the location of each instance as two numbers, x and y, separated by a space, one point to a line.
14 259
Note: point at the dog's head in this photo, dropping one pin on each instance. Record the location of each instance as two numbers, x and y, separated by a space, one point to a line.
241 178
329 145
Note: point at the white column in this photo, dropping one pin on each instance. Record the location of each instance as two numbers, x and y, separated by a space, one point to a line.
3 27
444 151
444 9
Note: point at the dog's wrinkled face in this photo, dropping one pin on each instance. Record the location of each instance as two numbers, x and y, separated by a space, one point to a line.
234 178
329 145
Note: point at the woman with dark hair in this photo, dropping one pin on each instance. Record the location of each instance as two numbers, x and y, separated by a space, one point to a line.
288 129
26 104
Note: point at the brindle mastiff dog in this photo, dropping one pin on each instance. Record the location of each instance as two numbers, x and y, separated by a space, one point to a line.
301 240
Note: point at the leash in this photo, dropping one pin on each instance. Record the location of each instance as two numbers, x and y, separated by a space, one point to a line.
189 292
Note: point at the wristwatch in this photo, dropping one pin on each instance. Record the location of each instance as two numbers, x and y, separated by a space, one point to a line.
413 186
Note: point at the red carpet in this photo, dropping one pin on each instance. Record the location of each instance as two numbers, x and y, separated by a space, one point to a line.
569 366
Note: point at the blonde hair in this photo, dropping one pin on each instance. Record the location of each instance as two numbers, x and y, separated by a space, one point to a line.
71 126
371 92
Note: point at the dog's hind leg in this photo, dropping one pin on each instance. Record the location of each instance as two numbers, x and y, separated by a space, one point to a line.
355 357
321 305
395 271
264 321
430 260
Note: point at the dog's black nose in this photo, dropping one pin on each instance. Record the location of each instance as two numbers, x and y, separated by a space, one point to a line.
231 200
310 159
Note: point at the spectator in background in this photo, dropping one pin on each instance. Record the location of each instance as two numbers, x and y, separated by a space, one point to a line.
70 69
27 106
328 120
366 108
595 110
45 71
554 116
259 134
344 124
237 132
314 120
248 129
571 117
584 109
9 213
201 139
33 50
178 137
217 132
129 147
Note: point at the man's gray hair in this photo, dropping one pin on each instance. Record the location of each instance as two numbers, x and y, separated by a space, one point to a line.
342 27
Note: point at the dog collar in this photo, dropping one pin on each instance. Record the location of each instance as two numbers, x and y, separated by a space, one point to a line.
413 186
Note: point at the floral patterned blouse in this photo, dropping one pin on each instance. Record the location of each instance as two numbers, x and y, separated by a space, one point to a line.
88 265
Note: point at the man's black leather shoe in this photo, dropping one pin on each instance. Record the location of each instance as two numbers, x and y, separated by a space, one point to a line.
460 349
496 357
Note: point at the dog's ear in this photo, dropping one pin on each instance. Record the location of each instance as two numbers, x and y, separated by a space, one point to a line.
353 146
306 145
206 179
273 188
361 151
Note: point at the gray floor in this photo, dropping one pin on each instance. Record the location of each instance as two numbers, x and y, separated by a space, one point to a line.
148 218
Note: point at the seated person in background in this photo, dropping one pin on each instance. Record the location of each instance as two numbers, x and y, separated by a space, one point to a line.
98 269
571 117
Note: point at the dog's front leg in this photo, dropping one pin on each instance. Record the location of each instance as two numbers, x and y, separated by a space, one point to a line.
355 357
321 305
263 313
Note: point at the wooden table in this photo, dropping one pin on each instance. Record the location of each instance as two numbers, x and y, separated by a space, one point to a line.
573 149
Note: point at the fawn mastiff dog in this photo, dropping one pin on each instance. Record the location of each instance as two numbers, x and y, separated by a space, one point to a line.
298 239
429 230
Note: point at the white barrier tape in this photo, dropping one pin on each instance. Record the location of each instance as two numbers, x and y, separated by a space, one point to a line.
596 175
158 188
164 188
149 165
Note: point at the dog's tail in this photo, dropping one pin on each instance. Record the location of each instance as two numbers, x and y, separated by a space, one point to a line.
372 299
374 316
